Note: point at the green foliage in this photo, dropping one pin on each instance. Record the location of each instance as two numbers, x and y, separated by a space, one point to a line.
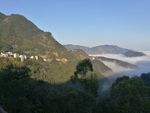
13 88
71 101
146 78
85 76
21 94
83 67
5 47
18 34
50 72
90 84
128 96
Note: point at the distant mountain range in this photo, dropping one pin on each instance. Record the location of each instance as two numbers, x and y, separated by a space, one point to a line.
106 49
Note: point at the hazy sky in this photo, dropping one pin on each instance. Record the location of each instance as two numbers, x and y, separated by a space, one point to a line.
89 22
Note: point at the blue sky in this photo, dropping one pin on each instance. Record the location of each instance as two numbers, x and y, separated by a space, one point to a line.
125 23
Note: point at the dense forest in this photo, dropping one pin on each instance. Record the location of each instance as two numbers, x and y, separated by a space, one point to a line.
20 93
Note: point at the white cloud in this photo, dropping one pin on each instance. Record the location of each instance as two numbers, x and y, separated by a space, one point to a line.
143 63
132 60
115 67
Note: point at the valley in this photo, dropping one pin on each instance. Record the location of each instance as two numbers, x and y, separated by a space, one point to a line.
40 75
114 58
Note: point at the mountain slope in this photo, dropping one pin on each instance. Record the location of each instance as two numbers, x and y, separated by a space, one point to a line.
101 68
107 49
71 46
79 53
18 34
24 36
118 62
2 16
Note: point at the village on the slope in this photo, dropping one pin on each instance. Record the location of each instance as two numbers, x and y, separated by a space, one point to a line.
17 55
24 57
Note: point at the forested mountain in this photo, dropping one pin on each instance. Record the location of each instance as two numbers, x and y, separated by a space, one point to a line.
19 35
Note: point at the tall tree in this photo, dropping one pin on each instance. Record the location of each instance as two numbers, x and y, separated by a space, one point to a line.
83 67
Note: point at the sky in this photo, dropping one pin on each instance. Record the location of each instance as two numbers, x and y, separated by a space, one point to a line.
125 23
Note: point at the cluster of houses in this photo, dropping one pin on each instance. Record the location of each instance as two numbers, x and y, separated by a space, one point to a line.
16 55
23 57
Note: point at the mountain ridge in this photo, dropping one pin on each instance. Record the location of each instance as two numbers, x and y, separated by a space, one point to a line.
106 49
20 35
119 62
16 28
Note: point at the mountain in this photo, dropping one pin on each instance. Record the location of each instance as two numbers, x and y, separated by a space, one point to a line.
131 53
19 35
106 49
79 53
101 68
71 46
116 65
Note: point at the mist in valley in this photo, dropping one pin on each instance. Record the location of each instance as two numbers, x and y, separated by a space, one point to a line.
142 63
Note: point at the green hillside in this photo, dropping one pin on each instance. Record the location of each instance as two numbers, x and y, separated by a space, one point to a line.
24 37
18 34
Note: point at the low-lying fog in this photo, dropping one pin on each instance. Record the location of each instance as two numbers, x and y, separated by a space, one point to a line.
126 59
115 67
143 64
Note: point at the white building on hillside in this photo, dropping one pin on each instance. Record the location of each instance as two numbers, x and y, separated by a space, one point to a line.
4 55
22 58
16 55
9 53
32 57
36 57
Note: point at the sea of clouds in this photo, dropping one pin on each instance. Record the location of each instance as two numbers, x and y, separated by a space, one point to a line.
143 64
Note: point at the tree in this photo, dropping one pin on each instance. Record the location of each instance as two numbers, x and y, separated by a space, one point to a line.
146 78
21 94
14 88
83 67
128 96
78 102
91 84
85 76
6 47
